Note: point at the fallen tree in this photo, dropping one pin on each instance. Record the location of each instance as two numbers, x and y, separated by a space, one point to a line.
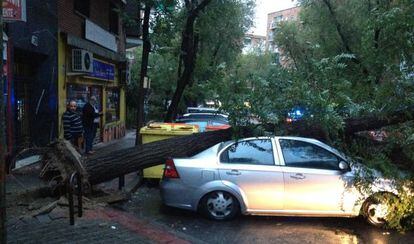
62 159
351 125
115 164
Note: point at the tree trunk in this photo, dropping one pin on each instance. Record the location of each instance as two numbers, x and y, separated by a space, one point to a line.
188 56
62 159
146 48
351 125
115 164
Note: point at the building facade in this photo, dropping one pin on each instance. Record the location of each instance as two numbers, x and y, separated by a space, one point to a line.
91 61
273 19
64 50
253 43
32 98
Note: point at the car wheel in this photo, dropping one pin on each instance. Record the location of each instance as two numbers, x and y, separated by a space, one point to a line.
376 209
220 205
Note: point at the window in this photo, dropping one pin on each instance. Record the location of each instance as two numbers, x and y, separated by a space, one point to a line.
113 18
278 18
112 105
249 152
82 6
307 155
247 41
81 94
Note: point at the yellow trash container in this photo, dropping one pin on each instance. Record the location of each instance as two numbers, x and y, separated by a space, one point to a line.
161 131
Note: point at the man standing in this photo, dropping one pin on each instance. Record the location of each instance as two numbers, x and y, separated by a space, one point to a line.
90 119
72 125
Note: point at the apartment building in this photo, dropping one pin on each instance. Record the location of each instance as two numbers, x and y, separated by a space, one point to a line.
253 43
61 50
273 19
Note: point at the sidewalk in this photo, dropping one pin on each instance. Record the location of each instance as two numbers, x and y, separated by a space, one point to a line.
99 224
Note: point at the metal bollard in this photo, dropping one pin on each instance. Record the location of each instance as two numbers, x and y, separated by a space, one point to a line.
70 199
80 195
75 178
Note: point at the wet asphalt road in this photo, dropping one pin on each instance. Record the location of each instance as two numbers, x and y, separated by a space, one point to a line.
146 204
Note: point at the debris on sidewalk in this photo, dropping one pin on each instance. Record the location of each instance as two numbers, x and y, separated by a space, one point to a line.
113 198
45 210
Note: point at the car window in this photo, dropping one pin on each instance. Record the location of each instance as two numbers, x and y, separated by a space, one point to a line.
257 151
307 155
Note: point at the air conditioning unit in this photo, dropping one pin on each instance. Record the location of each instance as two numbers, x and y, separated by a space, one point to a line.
82 61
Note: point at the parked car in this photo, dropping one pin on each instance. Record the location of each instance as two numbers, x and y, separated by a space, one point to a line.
202 110
205 120
272 176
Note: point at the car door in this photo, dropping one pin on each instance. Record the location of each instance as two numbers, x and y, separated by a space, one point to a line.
313 180
249 167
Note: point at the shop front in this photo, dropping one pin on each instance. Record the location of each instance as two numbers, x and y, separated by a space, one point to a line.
87 72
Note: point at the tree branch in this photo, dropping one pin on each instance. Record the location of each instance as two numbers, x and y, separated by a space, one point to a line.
194 13
342 35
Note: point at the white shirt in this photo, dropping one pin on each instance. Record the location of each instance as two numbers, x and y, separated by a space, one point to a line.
96 120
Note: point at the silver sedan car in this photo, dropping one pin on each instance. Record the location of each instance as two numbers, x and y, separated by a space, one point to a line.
290 176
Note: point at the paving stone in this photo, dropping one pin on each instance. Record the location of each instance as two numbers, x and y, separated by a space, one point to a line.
44 218
59 213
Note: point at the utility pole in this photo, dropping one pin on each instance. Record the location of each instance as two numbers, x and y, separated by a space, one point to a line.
3 237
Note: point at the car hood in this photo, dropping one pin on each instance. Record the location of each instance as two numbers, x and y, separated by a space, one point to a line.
375 179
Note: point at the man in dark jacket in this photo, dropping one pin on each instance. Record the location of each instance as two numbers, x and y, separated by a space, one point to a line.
72 125
90 113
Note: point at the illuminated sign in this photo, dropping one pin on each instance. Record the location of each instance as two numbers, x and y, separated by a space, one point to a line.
102 70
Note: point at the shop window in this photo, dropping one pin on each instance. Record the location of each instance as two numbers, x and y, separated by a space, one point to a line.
112 105
81 94
113 18
82 7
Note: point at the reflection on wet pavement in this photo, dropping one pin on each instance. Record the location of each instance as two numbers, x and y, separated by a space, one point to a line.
146 203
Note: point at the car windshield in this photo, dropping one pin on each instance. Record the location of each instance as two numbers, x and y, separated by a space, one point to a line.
338 152
204 116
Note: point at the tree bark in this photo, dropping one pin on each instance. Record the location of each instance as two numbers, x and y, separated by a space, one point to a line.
146 48
351 125
188 56
114 164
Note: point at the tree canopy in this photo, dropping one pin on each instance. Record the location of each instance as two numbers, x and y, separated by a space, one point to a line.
219 43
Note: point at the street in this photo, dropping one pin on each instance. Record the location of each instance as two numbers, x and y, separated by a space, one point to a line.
143 218
146 203
300 108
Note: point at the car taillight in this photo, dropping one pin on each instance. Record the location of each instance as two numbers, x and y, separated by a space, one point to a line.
170 171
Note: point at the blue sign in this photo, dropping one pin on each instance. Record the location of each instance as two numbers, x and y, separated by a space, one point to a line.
103 70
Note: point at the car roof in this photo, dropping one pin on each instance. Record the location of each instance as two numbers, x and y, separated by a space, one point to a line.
203 116
201 110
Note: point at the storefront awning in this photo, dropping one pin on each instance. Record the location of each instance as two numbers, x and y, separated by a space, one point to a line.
94 48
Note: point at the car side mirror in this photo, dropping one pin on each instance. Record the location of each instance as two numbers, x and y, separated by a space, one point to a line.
343 166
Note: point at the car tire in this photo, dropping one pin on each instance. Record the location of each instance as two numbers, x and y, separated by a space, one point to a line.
219 205
375 208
